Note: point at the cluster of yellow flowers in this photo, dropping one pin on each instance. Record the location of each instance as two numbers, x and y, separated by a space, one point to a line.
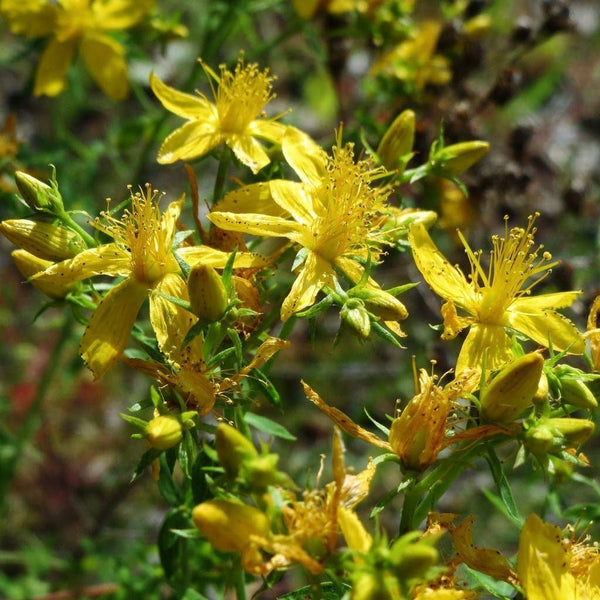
337 219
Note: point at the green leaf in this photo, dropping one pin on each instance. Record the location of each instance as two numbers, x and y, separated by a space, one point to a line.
330 591
498 589
191 594
147 458
166 485
260 380
507 502
134 421
268 426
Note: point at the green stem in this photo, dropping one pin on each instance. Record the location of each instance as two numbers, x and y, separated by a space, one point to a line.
240 581
68 220
221 174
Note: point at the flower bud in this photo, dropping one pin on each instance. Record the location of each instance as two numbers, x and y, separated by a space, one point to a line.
512 389
233 449
208 296
380 303
398 141
540 438
46 240
228 525
354 314
373 586
38 195
29 264
457 158
541 394
411 560
575 431
575 392
164 432
478 26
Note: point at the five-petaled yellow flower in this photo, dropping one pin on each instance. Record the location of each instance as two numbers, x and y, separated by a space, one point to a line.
497 299
335 215
142 253
551 567
233 119
72 25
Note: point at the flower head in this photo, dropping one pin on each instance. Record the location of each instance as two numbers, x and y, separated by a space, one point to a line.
233 118
498 298
72 25
142 253
334 214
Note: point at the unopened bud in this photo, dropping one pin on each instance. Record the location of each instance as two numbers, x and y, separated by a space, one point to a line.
164 432
38 195
540 438
412 560
541 394
575 431
228 525
373 586
575 392
29 264
380 303
457 158
233 449
46 240
512 389
208 296
354 314
478 26
398 141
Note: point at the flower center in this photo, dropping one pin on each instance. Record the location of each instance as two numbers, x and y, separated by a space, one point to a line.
74 18
241 96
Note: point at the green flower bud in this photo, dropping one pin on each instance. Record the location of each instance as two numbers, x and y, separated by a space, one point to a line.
38 195
540 438
398 141
233 449
372 586
457 158
541 394
575 431
261 472
164 432
228 525
380 303
512 389
354 314
575 392
208 296
46 240
411 561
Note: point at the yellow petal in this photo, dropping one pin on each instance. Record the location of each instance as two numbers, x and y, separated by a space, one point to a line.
184 105
356 535
256 224
292 197
445 280
108 331
253 198
50 76
489 339
105 60
29 264
171 322
267 130
192 140
170 217
248 151
218 259
315 274
305 156
531 304
120 14
542 326
104 260
31 18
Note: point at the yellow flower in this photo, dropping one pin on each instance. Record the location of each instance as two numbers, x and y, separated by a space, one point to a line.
414 60
72 25
233 119
141 253
552 567
497 299
335 215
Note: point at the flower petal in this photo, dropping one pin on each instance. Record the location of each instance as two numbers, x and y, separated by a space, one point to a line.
51 72
170 216
307 158
171 322
489 339
248 151
314 275
218 258
253 198
544 326
191 140
108 259
120 14
292 197
267 130
109 329
445 280
31 18
256 224
184 105
544 301
105 60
